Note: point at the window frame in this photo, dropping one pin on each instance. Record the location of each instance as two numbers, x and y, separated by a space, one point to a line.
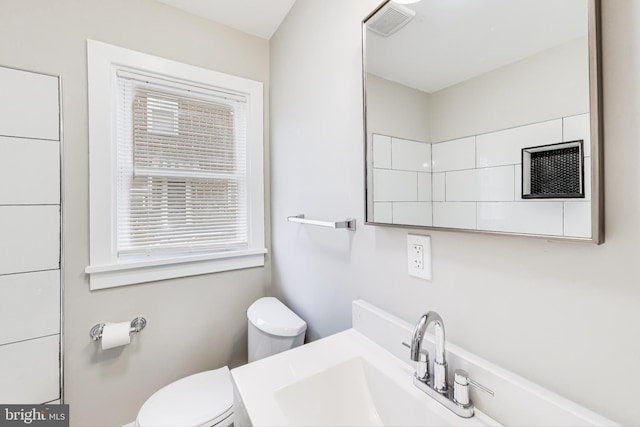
105 269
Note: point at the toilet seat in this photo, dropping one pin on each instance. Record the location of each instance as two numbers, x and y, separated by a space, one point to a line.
202 399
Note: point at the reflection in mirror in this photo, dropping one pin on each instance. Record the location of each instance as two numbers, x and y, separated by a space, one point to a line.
479 116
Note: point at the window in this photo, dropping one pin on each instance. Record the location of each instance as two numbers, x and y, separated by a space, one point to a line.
175 168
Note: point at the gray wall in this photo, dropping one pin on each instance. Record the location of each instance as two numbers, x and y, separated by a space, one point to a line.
560 314
194 324
396 110
551 84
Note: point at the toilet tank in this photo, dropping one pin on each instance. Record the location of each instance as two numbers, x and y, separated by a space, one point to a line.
273 328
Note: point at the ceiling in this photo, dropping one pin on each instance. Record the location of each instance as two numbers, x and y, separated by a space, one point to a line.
450 41
465 38
257 17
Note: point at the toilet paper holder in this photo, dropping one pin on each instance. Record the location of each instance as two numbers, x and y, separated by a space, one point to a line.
137 325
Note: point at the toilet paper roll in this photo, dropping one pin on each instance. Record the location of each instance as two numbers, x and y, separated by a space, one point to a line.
115 335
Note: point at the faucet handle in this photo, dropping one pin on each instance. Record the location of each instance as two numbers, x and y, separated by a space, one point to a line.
461 383
422 365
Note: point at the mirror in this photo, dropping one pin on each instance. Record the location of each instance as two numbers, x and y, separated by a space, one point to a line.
484 116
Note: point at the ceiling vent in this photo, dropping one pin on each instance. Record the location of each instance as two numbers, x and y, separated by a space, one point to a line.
390 19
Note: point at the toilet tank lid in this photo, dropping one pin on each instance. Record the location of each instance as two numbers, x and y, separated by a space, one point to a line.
271 316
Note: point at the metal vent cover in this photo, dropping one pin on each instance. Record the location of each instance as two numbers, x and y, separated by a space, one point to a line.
553 171
389 19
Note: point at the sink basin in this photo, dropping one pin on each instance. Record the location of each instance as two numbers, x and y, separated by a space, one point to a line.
353 393
342 380
363 377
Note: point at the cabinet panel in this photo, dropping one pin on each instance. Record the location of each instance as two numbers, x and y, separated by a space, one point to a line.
29 105
32 167
29 305
30 371
29 238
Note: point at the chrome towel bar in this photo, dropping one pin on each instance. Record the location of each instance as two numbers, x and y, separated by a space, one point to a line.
349 223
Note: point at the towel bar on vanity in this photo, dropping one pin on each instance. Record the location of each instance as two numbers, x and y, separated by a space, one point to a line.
137 325
349 223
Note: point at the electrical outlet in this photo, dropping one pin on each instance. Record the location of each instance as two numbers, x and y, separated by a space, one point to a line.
419 256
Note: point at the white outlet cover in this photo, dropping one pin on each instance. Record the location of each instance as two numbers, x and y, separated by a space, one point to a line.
425 242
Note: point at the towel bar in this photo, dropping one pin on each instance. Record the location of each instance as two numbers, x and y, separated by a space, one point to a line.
349 223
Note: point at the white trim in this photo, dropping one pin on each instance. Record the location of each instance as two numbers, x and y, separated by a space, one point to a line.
105 270
121 275
133 265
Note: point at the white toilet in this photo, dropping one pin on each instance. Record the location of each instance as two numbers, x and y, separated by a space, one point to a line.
206 398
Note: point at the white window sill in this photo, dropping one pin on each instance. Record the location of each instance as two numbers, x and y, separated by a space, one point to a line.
130 273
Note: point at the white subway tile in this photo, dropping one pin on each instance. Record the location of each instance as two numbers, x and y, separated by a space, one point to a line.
517 177
383 212
29 105
577 219
496 184
30 238
412 213
462 186
439 188
533 217
578 127
410 155
33 169
38 314
394 186
424 187
381 151
452 155
505 147
489 184
454 215
30 371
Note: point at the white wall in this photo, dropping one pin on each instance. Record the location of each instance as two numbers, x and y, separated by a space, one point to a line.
548 85
551 84
194 324
560 314
396 110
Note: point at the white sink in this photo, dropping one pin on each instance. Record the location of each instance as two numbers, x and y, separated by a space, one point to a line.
342 380
363 377
354 393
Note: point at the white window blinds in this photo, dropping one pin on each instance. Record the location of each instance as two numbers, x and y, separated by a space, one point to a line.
181 169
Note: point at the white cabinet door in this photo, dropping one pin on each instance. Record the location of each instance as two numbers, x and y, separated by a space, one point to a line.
29 238
29 171
29 105
30 372
29 305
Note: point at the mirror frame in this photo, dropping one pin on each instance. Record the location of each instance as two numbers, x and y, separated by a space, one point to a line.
596 128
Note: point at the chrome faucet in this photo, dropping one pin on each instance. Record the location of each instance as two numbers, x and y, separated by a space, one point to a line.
454 398
439 362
